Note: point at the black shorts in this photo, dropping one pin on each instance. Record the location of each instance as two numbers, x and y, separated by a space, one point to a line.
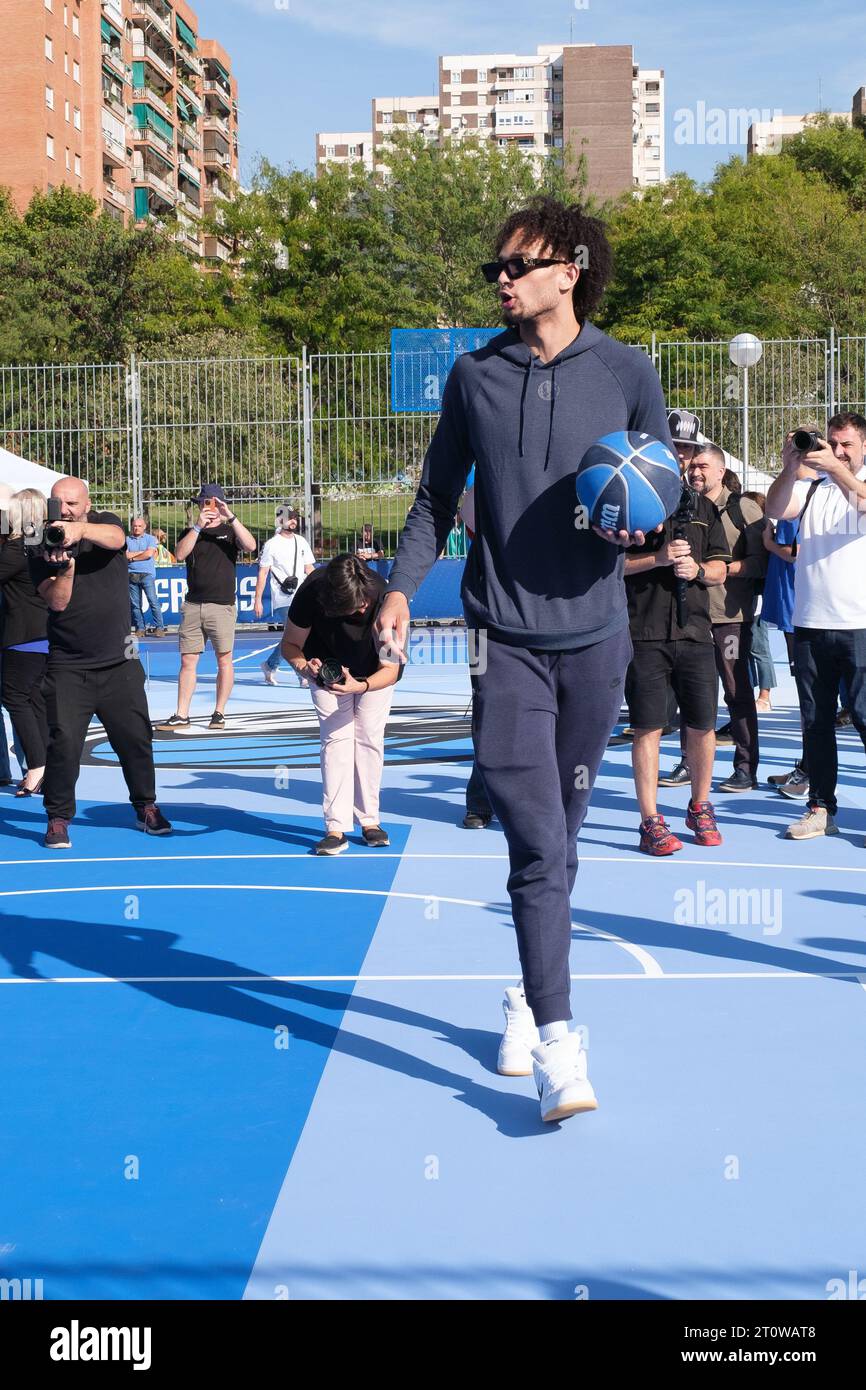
686 668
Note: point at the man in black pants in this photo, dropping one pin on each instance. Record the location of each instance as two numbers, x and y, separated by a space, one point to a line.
93 666
547 590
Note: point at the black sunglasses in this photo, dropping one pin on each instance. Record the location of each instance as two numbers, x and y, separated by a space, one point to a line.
515 267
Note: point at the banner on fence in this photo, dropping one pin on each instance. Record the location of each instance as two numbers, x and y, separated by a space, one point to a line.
437 598
421 359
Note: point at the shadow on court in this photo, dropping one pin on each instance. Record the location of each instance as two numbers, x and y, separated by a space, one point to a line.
151 962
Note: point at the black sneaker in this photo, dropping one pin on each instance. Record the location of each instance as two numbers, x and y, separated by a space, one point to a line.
375 836
724 735
739 782
331 844
778 779
843 719
57 835
173 725
680 776
217 720
152 821
476 820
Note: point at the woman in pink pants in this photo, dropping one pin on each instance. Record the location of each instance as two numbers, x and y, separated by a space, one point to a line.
330 625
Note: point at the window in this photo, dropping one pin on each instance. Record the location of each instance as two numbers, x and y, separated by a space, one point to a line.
49 98
66 16
68 158
66 63
66 112
652 86
330 151
652 106
76 72
49 49
482 74
353 150
76 26
49 5
49 146
76 118
78 165
457 77
655 154
482 120
386 117
412 117
524 73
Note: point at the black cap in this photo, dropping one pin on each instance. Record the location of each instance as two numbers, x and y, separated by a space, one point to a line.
210 490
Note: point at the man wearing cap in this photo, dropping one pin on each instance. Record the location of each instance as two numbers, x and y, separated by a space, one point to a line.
210 549
288 559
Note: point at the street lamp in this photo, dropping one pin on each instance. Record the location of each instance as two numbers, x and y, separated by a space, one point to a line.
745 350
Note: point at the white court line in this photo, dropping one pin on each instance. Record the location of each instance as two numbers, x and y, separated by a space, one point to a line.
402 979
372 855
647 962
249 655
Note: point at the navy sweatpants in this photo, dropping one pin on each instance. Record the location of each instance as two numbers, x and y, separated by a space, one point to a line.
541 722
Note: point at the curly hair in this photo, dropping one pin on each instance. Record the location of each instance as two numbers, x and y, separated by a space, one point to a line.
569 233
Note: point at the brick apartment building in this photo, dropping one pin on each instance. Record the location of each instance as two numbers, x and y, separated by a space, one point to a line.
593 99
124 100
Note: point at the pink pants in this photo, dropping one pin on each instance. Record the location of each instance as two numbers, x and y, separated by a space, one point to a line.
352 729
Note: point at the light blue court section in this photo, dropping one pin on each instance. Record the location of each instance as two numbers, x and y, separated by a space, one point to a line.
379 1154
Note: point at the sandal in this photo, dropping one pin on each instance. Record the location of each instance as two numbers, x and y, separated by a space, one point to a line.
24 790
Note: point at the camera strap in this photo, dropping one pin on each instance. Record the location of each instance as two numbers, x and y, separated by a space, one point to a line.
813 487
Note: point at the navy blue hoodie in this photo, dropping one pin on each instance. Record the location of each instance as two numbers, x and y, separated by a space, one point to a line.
532 579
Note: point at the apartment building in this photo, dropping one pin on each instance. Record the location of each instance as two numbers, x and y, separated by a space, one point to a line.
124 100
344 147
591 98
768 137
412 114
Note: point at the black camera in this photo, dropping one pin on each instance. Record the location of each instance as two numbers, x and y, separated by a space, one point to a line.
330 673
289 584
806 441
52 535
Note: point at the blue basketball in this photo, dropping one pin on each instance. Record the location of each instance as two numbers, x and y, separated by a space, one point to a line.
628 482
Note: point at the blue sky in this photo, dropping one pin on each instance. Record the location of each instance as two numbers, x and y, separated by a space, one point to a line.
316 65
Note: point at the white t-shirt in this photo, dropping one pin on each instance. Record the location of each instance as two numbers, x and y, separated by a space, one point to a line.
284 556
829 587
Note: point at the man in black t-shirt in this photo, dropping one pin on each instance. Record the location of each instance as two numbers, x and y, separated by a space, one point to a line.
93 666
666 581
210 548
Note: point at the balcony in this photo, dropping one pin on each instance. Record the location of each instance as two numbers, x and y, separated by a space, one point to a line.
216 250
146 135
216 89
118 195
114 104
188 92
187 138
143 53
113 149
157 183
212 121
215 193
112 60
153 99
143 10
189 60
190 170
220 157
191 207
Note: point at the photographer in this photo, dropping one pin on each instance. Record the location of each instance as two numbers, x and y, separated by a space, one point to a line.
829 596
288 559
732 606
24 636
330 630
92 667
667 579
209 547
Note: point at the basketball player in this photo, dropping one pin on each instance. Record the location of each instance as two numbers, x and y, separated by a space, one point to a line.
550 597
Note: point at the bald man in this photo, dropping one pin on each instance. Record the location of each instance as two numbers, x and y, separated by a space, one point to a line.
93 666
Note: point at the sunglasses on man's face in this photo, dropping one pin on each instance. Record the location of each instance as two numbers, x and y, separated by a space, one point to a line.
515 267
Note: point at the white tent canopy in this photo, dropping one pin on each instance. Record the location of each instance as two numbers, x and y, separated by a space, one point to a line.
18 473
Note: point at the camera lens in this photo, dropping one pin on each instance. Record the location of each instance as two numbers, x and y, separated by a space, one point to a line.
805 441
54 536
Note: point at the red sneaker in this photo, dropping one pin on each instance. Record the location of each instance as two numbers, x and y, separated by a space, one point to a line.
657 838
701 818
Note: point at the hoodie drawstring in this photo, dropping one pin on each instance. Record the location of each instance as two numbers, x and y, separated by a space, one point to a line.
552 408
523 399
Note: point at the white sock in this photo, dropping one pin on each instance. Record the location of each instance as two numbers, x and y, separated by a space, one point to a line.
552 1032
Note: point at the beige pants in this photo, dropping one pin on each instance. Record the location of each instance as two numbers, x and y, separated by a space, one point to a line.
352 729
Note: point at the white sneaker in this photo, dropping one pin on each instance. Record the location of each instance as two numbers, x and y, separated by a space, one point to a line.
269 675
560 1075
519 1038
816 821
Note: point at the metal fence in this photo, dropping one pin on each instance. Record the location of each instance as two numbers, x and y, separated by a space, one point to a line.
318 431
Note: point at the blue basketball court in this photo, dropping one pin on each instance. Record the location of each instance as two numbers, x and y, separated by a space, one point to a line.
234 1070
